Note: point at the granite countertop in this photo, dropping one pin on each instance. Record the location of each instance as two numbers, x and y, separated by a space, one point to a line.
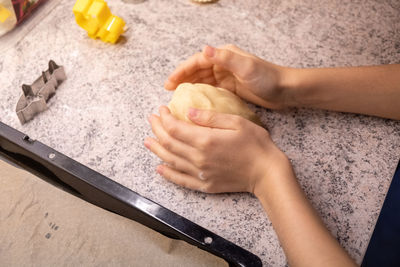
344 162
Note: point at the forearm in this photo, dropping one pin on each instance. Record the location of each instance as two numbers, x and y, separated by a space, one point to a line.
303 236
372 90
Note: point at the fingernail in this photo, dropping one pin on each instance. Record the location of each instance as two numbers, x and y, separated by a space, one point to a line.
160 169
147 143
149 118
193 113
209 51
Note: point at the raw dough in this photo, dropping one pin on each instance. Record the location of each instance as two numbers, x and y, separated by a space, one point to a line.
204 96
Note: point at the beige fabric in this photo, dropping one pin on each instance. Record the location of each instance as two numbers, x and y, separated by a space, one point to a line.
41 225
204 96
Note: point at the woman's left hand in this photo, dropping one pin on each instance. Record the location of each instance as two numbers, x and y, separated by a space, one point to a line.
218 153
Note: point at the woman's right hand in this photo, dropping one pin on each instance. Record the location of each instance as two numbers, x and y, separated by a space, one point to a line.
244 74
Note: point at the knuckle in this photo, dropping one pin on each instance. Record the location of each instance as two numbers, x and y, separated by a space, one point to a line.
203 176
207 118
230 46
172 163
205 143
171 129
200 162
225 55
173 178
166 143
204 188
238 121
209 188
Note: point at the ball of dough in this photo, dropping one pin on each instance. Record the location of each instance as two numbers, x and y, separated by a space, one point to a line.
204 96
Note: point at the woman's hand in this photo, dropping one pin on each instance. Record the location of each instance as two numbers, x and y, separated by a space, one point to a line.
219 153
246 75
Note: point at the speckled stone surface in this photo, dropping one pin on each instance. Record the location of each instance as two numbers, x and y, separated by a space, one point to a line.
344 162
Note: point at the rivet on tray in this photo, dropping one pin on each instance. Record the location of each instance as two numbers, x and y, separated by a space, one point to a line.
208 240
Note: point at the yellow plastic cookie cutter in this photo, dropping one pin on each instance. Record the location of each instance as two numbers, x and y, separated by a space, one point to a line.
4 13
95 17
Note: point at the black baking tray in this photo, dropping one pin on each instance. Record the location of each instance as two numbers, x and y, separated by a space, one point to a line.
91 186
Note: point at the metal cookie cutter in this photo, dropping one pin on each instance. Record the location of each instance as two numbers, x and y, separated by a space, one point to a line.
35 96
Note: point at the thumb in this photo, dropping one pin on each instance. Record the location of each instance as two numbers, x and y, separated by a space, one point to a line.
213 119
234 62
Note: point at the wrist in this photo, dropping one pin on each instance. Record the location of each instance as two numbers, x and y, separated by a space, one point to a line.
277 171
289 83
